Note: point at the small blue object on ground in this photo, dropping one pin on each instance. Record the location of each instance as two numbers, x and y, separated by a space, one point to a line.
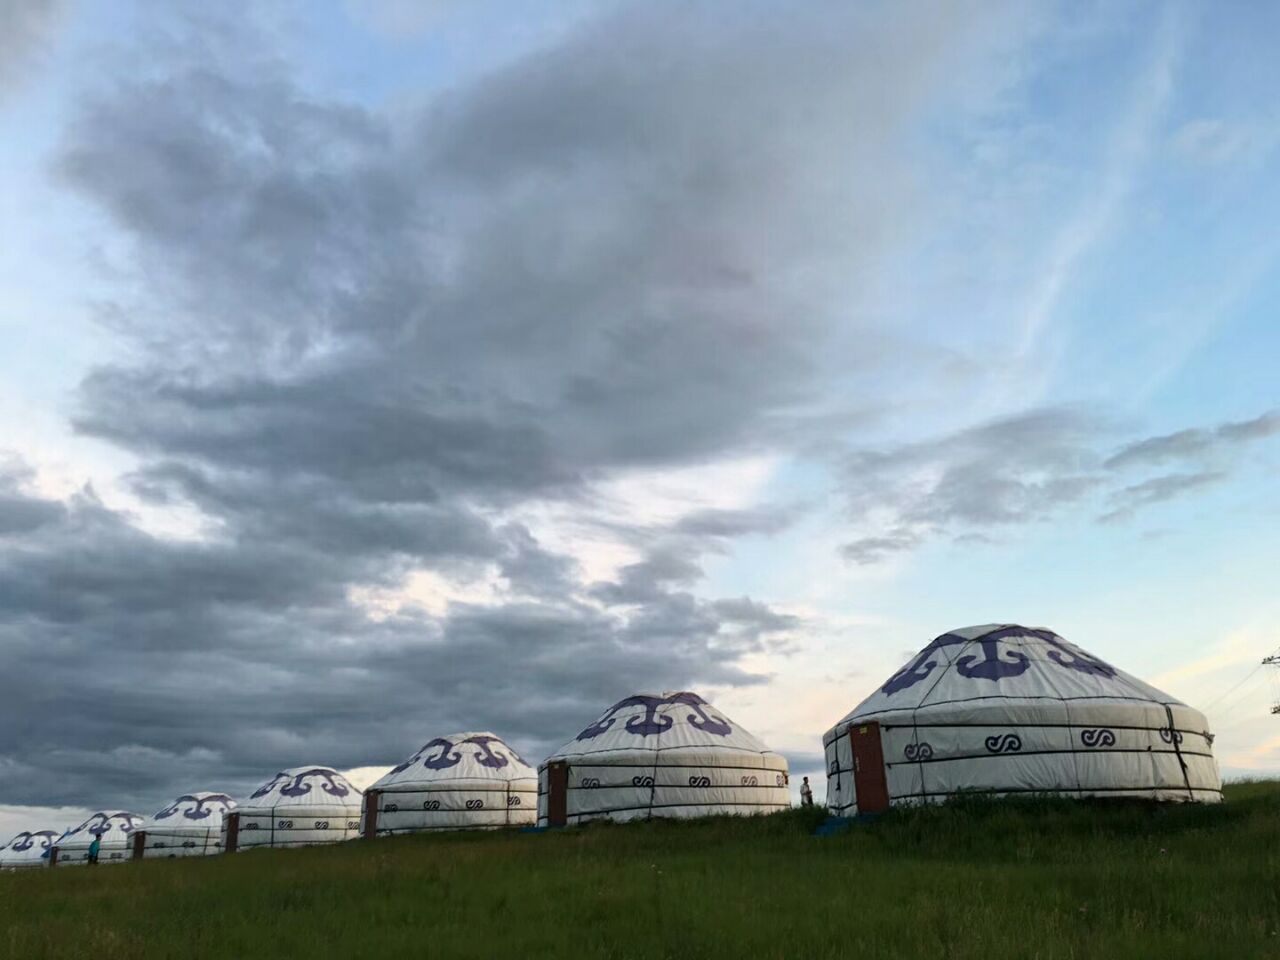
833 826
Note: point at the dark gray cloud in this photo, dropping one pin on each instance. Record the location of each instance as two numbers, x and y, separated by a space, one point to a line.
1130 499
1195 444
735 523
867 550
19 511
136 664
1025 469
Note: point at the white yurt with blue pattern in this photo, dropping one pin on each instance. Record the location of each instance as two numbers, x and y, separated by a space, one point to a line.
298 807
113 827
660 755
30 848
191 826
1003 709
461 781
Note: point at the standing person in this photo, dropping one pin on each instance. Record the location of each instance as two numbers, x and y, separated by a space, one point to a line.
806 793
94 848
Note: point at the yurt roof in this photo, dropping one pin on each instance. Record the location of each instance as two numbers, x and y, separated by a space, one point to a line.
1004 662
110 825
311 786
191 810
648 722
28 845
459 756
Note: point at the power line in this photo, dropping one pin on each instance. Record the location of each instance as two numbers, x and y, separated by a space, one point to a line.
1252 673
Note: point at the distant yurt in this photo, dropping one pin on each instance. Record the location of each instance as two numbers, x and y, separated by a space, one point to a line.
1003 709
463 781
30 848
191 826
113 827
660 755
300 807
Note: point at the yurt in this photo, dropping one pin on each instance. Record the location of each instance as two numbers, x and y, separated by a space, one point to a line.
30 848
113 827
191 826
1004 709
660 755
299 807
463 781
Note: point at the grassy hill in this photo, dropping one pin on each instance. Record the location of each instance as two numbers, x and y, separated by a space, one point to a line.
1027 879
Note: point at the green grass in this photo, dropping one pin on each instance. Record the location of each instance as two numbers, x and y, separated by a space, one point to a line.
1028 879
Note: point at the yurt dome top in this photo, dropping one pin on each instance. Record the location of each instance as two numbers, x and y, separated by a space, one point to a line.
28 846
648 722
190 811
999 662
458 756
110 826
307 786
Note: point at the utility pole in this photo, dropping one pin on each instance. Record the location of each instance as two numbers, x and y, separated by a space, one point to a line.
1273 661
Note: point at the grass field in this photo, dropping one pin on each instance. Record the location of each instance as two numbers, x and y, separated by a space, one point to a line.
1026 879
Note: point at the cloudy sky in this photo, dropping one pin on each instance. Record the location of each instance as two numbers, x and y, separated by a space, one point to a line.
374 370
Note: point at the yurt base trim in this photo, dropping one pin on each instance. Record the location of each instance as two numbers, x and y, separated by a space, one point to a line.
1164 732
450 828
1076 725
1111 697
433 788
609 764
756 804
1013 755
1138 792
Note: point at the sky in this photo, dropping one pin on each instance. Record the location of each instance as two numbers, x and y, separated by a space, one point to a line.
375 370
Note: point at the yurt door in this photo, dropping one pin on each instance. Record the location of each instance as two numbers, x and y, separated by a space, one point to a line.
372 800
868 768
233 832
558 793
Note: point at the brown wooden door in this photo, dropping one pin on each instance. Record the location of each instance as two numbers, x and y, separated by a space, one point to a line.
372 800
558 793
233 832
139 843
868 768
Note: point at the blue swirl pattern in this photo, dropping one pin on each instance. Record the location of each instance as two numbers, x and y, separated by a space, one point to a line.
1094 739
918 751
1003 743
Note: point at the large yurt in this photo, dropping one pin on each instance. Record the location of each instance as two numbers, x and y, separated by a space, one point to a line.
299 807
463 781
114 827
30 848
660 755
1003 709
191 826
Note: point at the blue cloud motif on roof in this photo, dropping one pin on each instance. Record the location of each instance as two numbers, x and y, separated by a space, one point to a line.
201 808
994 663
489 753
102 823
27 839
291 784
650 724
